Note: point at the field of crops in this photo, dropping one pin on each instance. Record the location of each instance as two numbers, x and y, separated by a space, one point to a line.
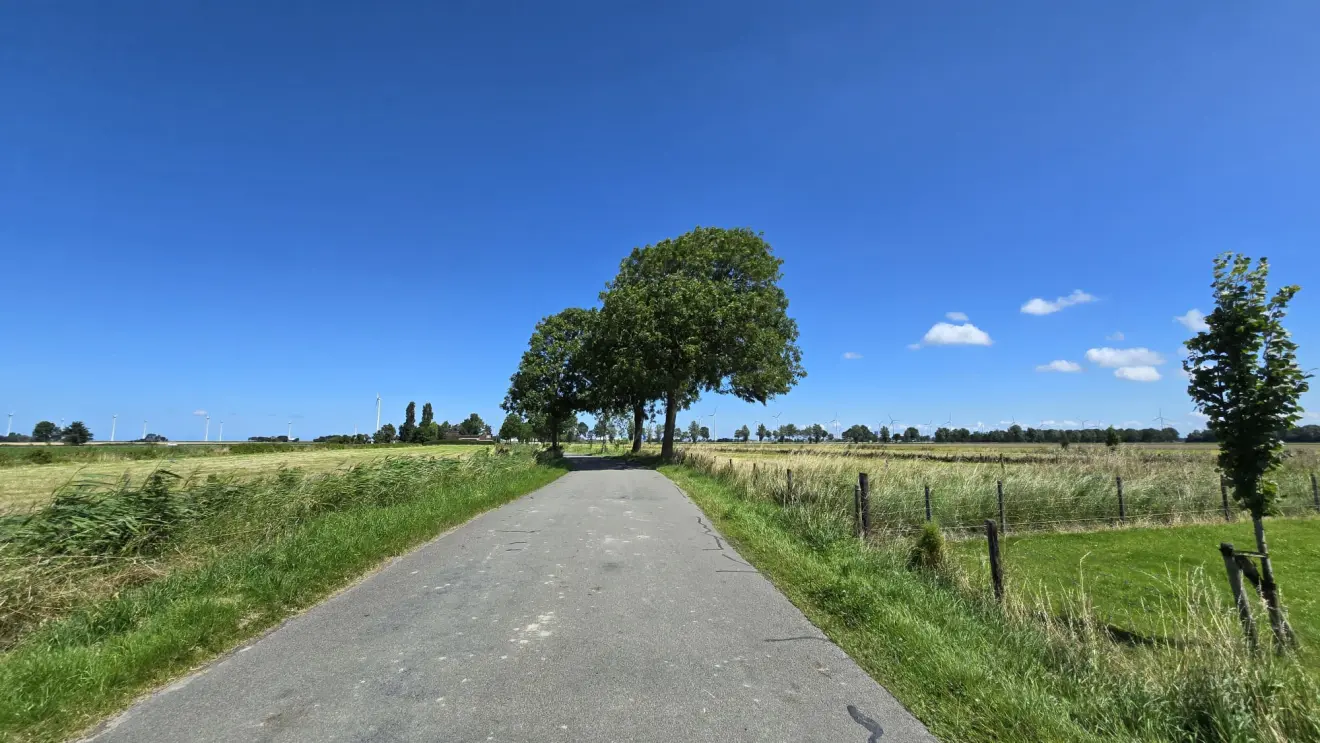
25 486
1045 488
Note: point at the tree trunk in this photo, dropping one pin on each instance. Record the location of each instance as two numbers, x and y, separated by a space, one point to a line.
1268 589
671 414
639 410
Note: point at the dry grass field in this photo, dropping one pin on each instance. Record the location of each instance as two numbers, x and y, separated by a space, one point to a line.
24 487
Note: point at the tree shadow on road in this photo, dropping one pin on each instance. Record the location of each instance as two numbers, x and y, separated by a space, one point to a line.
588 463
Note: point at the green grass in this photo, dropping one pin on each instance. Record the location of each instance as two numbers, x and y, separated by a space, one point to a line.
1131 576
305 537
972 671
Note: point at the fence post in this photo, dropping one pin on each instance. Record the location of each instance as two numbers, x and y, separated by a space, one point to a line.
1239 594
857 510
1315 492
789 496
1122 509
928 504
1003 523
996 569
1223 493
864 483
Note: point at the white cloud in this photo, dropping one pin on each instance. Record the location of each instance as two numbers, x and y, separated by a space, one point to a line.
1070 423
947 334
1138 373
851 355
1049 423
1115 357
199 412
1198 415
913 346
1116 336
956 316
1040 306
1132 424
1059 365
1193 320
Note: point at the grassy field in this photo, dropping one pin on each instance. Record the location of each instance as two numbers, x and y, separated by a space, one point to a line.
1045 487
1133 578
106 594
22 487
1027 671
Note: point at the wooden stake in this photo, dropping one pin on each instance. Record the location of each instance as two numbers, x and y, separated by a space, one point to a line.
927 504
1122 510
857 510
1315 492
1223 493
1003 523
1239 595
864 482
996 569
789 496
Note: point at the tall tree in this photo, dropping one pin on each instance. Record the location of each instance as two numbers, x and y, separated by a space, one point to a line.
45 432
77 434
742 434
1244 376
408 431
705 433
694 431
473 425
550 384
884 434
385 435
706 314
513 427
761 432
428 414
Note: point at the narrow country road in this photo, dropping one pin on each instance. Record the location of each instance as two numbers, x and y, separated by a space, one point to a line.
599 608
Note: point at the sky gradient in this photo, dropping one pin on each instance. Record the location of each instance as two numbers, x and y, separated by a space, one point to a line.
987 212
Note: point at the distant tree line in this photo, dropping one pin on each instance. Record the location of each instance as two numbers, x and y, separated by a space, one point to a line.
702 312
425 432
1299 435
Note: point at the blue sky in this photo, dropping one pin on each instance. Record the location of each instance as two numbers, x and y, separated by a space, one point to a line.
275 211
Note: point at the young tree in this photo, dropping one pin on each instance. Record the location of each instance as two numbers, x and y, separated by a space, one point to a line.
1244 375
602 428
858 434
705 434
911 434
428 414
77 434
579 430
550 385
45 432
884 434
385 435
761 432
408 431
1112 439
742 434
706 313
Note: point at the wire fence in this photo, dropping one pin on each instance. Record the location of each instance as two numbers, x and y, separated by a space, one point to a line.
903 505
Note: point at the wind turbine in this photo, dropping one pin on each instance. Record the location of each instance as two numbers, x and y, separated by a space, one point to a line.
222 431
1160 418
930 427
835 424
9 426
144 430
713 435
207 435
114 421
377 411
289 435
775 432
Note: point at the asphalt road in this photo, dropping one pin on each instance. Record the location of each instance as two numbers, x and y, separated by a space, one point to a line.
600 608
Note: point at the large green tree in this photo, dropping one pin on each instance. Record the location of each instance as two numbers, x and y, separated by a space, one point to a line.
550 384
761 432
1244 376
742 434
77 434
513 427
473 425
45 432
408 431
385 435
705 312
858 434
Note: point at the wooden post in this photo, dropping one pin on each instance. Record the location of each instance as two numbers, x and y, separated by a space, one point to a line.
857 510
754 473
928 504
1223 493
1122 509
1003 523
1315 492
789 496
996 569
864 483
1239 595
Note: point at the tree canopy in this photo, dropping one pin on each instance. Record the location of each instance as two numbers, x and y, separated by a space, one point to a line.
551 383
